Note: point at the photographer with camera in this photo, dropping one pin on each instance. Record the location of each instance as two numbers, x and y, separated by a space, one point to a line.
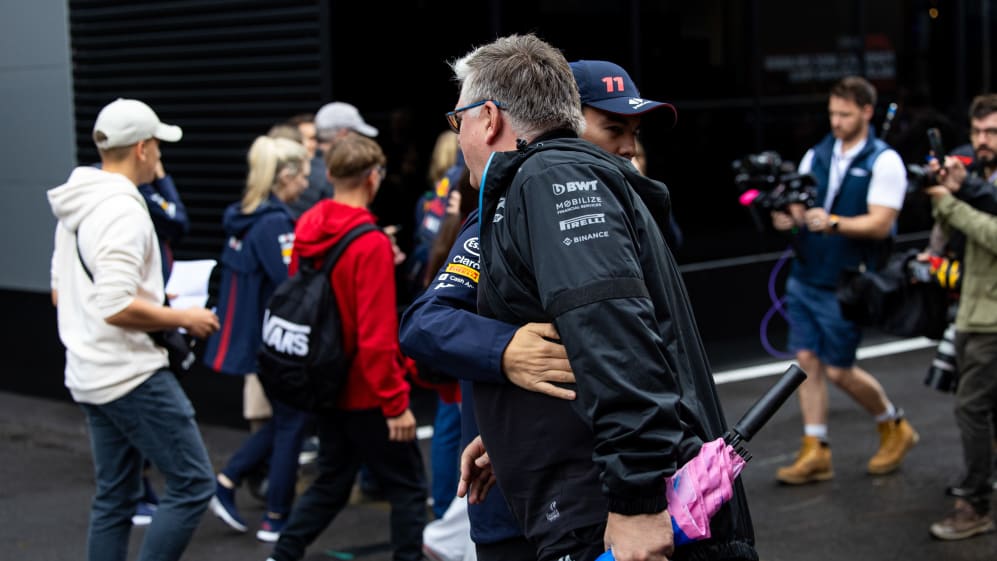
966 202
861 183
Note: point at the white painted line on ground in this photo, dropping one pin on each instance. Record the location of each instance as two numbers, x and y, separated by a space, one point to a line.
773 368
778 367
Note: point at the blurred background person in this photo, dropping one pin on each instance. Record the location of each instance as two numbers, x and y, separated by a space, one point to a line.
967 201
373 423
254 261
332 121
861 184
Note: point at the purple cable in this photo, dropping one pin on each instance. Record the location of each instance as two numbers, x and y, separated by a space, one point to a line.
776 307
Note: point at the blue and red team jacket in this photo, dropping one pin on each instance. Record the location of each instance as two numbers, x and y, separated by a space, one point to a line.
169 217
442 328
254 261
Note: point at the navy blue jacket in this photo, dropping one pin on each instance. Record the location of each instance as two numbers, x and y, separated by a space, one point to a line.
442 328
169 217
254 261
822 258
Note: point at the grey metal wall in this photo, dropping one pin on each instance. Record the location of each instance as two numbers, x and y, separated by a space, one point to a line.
37 144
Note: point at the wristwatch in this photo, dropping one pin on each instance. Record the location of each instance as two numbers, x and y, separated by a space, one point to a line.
833 221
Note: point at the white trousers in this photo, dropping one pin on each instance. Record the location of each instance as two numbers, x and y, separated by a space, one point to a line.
449 538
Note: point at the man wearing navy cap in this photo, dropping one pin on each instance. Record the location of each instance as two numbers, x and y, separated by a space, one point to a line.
543 454
612 121
613 107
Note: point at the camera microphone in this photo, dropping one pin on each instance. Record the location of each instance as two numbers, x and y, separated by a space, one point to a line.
891 112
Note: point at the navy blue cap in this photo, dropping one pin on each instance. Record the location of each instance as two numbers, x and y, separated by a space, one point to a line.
608 87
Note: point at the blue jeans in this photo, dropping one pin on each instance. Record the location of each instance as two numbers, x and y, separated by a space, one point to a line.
279 441
153 421
444 452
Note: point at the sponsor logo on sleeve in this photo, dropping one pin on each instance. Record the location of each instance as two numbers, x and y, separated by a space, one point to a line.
471 246
498 211
169 208
286 242
465 267
463 270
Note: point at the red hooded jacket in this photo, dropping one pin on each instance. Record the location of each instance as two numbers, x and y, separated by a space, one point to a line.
364 283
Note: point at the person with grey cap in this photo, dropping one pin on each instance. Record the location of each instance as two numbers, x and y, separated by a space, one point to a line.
107 285
333 120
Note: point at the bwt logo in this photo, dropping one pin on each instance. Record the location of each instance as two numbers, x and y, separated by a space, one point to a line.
579 221
284 336
574 186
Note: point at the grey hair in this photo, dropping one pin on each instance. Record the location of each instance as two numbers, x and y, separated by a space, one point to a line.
529 78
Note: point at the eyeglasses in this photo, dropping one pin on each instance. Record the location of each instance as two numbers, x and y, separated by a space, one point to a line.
453 117
989 132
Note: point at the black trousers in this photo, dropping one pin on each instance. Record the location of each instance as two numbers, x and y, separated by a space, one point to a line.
348 439
975 408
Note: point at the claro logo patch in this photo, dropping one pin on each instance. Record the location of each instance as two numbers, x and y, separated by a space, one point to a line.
574 187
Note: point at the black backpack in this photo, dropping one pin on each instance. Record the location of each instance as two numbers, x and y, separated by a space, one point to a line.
301 361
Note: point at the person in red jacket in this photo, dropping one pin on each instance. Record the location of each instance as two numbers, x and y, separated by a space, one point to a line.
373 424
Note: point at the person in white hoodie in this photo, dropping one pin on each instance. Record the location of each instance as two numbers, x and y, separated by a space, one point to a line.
107 285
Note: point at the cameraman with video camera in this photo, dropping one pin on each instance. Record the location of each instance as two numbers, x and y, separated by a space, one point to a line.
966 201
861 183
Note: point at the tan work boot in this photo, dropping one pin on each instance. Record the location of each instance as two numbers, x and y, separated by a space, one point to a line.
896 437
813 463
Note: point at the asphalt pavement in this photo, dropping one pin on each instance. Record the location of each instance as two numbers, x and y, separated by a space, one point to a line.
46 483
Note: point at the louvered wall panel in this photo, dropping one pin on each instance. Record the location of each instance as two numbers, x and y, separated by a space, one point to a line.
223 70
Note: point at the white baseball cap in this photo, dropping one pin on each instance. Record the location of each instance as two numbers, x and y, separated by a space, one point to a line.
124 122
339 115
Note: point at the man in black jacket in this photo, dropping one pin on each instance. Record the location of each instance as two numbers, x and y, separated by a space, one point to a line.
572 234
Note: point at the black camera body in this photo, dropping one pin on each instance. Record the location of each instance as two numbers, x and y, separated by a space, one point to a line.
919 176
766 182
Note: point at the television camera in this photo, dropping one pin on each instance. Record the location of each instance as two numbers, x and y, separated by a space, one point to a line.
768 183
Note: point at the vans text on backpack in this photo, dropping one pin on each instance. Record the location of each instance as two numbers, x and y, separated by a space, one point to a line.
301 359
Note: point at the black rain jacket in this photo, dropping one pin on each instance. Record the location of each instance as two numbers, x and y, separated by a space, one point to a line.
573 235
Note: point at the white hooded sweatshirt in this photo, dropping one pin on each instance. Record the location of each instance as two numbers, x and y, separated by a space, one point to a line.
119 246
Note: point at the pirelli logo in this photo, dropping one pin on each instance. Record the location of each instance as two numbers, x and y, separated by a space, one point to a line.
463 270
585 220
